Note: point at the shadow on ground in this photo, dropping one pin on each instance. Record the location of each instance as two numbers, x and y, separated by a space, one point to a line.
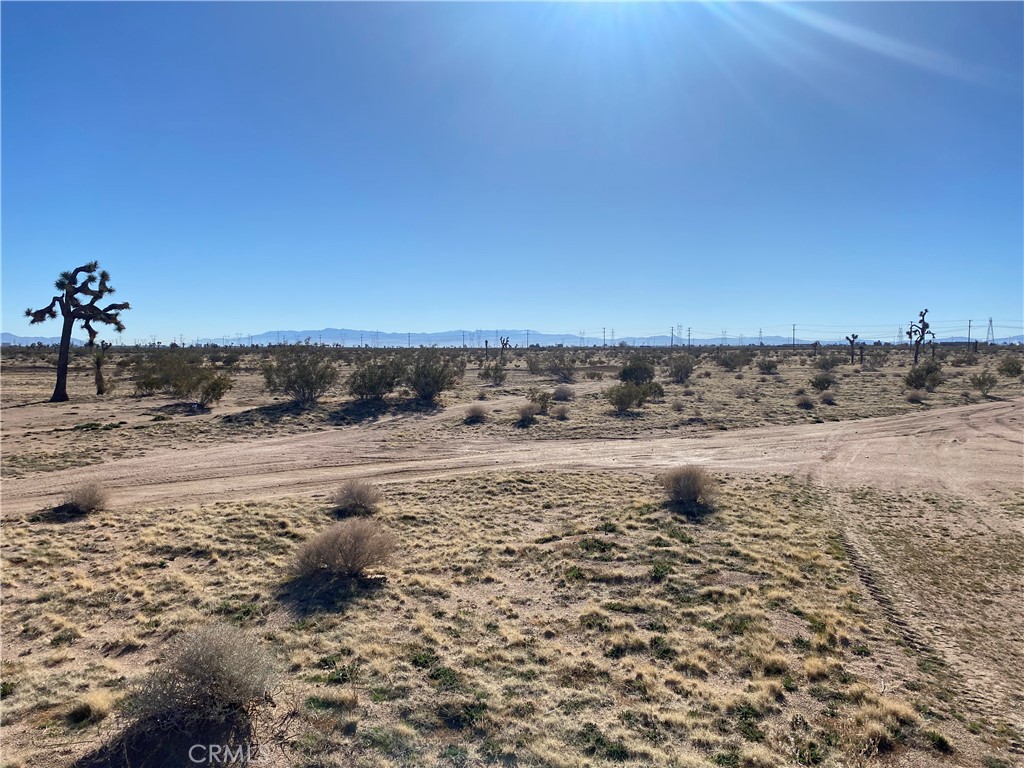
305 596
361 411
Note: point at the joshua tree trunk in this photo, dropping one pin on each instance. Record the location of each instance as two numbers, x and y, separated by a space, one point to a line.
60 391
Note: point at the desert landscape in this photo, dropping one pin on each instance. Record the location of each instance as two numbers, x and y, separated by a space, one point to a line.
844 587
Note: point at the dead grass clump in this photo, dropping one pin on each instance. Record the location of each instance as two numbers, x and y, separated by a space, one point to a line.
83 499
690 486
915 395
804 402
475 414
345 549
563 393
828 397
678 406
561 412
92 707
357 497
528 414
213 674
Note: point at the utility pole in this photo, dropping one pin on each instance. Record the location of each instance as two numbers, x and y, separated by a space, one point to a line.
613 337
723 337
582 333
760 338
672 336
968 333
794 336
408 339
527 338
688 338
604 338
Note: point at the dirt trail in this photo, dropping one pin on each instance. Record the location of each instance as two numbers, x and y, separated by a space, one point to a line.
974 451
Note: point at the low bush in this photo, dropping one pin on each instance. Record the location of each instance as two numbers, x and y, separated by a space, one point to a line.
915 396
563 393
768 365
86 498
804 402
302 372
828 362
637 370
927 375
689 486
623 397
562 365
494 373
345 549
376 379
475 414
984 381
822 381
678 406
212 674
1011 367
357 498
828 397
680 368
561 412
528 413
433 372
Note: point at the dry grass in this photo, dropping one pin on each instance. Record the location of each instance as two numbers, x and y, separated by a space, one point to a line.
475 414
347 548
357 497
690 486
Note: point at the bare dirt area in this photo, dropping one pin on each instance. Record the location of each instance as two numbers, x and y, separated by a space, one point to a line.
854 597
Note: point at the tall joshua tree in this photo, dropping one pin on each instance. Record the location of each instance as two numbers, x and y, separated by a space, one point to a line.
917 333
852 339
78 297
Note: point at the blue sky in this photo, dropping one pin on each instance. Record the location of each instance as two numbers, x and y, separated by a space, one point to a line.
413 167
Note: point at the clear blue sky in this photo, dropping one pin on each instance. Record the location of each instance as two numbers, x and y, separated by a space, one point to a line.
247 167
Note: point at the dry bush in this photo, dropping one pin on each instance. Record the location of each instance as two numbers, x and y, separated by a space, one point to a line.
528 413
475 414
563 393
357 497
800 391
915 396
678 406
212 674
561 412
689 486
804 402
828 397
86 498
347 549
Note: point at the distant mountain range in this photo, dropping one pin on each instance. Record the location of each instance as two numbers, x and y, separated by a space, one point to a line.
349 337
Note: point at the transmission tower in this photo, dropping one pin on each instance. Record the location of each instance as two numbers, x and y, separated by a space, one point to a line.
990 336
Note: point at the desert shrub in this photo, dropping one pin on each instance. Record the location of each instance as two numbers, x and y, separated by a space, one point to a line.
376 379
828 362
689 392
475 414
968 358
650 390
563 393
735 359
800 391
623 396
534 364
915 395
540 398
678 406
689 486
767 365
211 675
927 375
85 498
594 375
345 549
680 368
433 372
822 381
182 375
562 365
528 413
494 373
357 497
828 397
637 370
984 381
804 402
875 359
1010 367
561 412
302 372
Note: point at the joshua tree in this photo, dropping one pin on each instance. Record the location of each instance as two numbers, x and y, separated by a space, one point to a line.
917 333
852 338
78 299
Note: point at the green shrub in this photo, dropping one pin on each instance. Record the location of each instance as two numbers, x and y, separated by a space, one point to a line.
984 381
680 368
183 375
433 372
828 362
376 379
651 390
822 381
494 373
623 396
302 372
927 375
1011 367
540 398
735 359
768 365
534 364
562 365
637 370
